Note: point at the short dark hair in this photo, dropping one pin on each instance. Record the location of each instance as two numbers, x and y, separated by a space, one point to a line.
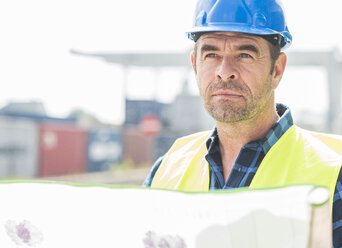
274 42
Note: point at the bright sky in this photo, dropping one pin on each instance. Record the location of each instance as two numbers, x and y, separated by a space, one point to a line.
37 35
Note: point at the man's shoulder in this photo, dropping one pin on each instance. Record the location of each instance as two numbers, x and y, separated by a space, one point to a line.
199 136
333 141
319 135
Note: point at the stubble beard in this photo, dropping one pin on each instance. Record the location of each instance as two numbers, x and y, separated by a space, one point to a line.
227 111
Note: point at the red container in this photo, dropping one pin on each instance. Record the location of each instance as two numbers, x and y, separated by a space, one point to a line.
62 149
137 147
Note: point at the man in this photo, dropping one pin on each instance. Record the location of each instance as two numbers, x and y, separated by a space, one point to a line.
238 64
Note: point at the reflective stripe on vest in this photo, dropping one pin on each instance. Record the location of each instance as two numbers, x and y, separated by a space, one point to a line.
299 157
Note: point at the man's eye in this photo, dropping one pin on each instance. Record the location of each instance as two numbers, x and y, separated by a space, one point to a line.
245 55
211 55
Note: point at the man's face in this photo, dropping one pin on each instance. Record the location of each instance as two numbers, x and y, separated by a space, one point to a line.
234 77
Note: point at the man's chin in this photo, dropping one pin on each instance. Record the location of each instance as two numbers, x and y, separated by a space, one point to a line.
227 116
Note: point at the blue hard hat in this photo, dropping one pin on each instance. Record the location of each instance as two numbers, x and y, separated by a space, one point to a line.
259 17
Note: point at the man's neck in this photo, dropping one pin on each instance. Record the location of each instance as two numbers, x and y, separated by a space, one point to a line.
233 136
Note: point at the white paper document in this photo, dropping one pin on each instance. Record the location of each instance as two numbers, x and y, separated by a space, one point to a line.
49 215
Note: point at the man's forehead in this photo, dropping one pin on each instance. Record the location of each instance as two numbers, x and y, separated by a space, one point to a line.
223 36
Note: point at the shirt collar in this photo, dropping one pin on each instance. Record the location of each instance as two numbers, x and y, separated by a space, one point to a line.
278 129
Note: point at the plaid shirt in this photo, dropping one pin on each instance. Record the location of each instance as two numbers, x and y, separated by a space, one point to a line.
248 161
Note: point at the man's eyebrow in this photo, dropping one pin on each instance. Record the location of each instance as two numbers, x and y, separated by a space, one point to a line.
208 48
250 48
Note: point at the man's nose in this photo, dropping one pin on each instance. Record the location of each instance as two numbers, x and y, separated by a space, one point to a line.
227 70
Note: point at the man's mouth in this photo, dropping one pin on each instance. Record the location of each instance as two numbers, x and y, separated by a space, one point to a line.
227 94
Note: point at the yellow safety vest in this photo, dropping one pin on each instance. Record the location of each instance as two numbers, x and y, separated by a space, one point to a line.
299 157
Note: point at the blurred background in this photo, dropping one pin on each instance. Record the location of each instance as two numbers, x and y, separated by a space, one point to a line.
95 91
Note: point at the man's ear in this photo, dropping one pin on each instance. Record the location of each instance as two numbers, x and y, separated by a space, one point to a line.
279 68
193 62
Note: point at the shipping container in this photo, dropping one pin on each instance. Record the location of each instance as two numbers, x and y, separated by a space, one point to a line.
18 148
104 149
137 147
63 149
163 142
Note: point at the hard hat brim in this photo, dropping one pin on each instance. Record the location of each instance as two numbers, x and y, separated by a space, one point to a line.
286 41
